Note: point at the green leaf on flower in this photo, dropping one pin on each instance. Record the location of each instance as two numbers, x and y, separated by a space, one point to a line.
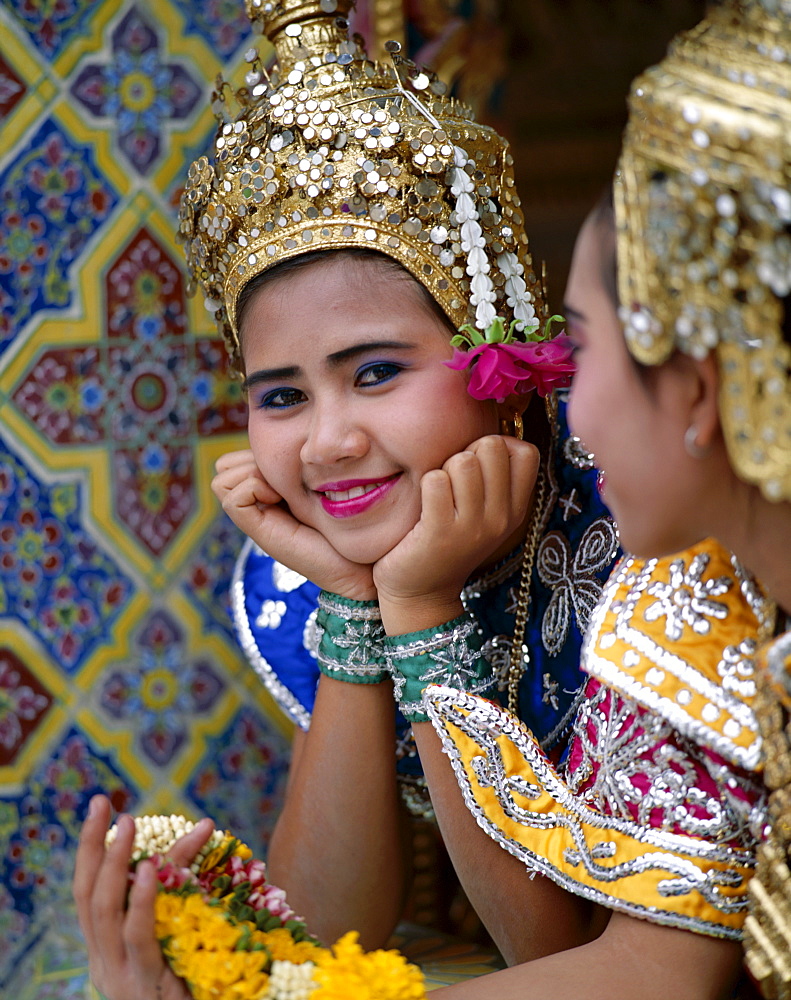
548 325
222 883
468 335
496 334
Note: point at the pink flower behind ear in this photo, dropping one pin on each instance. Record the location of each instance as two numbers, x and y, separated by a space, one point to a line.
500 370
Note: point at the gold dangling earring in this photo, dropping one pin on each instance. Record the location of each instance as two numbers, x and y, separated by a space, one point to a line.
514 427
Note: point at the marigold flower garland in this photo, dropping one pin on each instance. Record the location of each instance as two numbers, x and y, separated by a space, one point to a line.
231 935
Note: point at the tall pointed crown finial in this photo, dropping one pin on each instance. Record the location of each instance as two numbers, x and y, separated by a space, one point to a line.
297 28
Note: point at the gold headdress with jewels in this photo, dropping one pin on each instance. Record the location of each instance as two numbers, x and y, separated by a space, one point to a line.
332 150
703 211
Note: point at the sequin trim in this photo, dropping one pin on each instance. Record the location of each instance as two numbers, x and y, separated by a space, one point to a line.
363 611
627 761
350 639
284 698
450 654
697 876
731 712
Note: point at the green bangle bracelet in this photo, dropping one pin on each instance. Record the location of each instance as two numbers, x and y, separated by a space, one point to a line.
449 655
350 639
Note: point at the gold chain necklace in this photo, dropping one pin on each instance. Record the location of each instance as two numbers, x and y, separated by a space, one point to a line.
520 654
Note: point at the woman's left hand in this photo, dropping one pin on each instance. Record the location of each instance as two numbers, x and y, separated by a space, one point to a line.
470 507
124 957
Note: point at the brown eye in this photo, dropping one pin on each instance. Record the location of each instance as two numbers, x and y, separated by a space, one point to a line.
377 373
281 399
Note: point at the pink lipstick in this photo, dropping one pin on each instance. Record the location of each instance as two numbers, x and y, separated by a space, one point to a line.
354 496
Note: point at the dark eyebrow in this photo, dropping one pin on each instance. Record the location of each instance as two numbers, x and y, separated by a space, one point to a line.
373 345
268 375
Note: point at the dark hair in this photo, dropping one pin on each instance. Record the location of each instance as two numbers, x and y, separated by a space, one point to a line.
286 268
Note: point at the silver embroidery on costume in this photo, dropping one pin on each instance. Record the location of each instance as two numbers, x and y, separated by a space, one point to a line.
364 642
284 698
674 855
341 609
271 614
497 652
571 578
687 599
723 701
576 454
311 635
451 660
550 695
286 579
737 669
644 768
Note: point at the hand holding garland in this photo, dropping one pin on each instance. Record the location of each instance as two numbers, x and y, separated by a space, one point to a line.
125 958
225 930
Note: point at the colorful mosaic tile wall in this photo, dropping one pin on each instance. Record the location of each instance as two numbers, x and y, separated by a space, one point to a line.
118 668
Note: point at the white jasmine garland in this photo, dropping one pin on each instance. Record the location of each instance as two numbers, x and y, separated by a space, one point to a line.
473 242
477 261
157 834
517 296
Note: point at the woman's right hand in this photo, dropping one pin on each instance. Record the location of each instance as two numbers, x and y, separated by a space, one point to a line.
124 957
258 510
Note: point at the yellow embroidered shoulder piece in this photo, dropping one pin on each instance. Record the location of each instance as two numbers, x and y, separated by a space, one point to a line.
681 851
679 636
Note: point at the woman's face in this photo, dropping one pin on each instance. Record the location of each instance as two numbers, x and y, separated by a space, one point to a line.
350 404
633 421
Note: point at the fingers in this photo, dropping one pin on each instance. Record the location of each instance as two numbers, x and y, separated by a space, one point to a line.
240 478
231 459
525 459
90 855
250 503
184 850
466 479
438 507
142 947
517 461
108 899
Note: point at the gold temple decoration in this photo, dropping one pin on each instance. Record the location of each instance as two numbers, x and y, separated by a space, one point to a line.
703 210
333 150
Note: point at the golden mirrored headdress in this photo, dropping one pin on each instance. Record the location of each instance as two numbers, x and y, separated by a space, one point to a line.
332 150
703 210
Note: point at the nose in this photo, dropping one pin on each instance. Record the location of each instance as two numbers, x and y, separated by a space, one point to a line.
333 434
